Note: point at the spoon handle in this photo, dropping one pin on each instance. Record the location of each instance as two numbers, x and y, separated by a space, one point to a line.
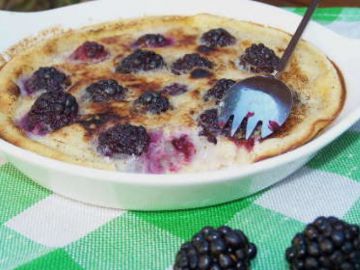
296 37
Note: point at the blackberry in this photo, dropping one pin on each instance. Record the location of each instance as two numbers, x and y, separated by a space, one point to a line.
51 111
217 38
222 248
210 128
105 90
90 50
140 60
189 61
152 102
208 122
123 139
326 243
200 73
152 40
217 92
174 89
259 58
47 79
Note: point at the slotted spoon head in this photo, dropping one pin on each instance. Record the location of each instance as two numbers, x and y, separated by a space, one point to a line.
258 99
263 99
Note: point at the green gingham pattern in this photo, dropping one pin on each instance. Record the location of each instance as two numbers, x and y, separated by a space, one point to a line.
40 230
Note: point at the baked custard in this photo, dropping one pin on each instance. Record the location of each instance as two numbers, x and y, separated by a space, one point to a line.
142 95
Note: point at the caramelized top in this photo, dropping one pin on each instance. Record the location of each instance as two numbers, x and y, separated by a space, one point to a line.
163 76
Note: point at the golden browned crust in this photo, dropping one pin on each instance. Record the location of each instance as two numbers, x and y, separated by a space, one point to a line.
318 85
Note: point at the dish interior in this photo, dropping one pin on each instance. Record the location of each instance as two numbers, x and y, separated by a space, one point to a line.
141 95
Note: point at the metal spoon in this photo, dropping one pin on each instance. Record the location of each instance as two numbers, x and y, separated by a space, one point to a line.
263 99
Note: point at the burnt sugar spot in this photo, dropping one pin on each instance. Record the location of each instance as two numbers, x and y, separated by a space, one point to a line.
183 39
187 40
151 120
49 48
285 130
223 53
14 90
141 85
246 43
118 43
280 50
81 71
195 94
94 123
294 76
118 107
187 119
111 40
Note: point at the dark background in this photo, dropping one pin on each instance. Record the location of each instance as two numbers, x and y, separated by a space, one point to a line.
32 5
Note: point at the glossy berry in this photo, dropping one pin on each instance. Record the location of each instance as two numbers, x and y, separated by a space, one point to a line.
208 122
141 60
174 89
189 61
259 58
90 51
105 90
123 139
222 248
47 79
200 73
218 91
217 38
152 102
210 128
326 243
51 111
152 41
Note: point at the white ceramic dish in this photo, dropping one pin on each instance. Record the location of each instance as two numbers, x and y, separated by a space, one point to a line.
160 192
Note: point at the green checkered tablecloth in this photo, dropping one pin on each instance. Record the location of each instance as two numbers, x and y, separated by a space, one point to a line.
40 230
